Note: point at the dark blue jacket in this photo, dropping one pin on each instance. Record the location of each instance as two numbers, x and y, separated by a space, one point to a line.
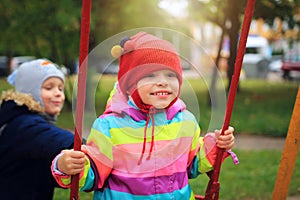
28 144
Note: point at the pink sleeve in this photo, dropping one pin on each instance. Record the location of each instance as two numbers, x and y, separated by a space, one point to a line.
59 176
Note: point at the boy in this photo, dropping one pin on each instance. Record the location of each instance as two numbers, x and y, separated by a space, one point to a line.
146 144
29 140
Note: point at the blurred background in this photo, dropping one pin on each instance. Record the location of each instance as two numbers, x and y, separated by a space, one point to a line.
33 28
269 79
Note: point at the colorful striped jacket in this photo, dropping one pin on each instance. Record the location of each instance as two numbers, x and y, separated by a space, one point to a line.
129 158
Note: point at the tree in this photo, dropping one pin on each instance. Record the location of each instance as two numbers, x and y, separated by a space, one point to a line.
113 17
228 16
51 28
271 9
41 28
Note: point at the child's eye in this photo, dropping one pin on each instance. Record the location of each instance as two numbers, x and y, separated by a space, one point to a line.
151 75
47 87
61 87
171 74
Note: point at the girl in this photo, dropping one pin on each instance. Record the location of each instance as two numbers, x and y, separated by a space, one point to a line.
146 145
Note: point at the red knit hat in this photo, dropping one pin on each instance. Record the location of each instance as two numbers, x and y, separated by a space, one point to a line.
142 54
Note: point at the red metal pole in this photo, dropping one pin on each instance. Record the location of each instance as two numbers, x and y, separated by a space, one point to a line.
81 86
212 190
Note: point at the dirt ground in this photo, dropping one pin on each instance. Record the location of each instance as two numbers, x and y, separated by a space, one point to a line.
250 142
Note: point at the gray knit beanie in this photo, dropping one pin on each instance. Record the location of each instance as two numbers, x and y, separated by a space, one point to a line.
30 76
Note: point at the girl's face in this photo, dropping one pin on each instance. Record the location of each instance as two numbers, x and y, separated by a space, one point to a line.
53 96
158 88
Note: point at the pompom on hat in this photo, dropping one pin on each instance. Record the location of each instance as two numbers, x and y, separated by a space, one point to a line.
140 55
30 76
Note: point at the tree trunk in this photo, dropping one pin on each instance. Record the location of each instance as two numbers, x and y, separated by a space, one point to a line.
233 32
212 97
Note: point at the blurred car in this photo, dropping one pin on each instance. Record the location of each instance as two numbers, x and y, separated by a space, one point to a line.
4 69
257 57
17 61
291 64
275 64
291 70
288 66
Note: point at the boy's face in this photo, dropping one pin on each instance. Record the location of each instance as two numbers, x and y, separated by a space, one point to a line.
158 88
53 96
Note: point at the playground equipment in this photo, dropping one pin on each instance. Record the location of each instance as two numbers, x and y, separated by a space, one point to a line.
289 154
212 191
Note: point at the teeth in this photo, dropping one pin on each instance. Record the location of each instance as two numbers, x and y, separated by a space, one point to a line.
161 93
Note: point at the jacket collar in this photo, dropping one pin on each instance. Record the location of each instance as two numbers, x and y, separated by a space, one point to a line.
14 104
22 99
118 103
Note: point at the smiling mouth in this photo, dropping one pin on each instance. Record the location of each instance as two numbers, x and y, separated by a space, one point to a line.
56 103
160 93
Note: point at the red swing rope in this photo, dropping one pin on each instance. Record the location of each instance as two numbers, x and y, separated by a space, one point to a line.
213 187
81 87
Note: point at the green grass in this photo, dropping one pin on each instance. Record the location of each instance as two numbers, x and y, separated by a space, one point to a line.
4 84
253 178
261 107
264 107
64 194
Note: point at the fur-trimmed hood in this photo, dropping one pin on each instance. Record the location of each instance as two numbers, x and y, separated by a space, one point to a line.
14 104
22 99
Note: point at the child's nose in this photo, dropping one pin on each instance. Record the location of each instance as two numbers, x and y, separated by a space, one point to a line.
57 92
162 80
